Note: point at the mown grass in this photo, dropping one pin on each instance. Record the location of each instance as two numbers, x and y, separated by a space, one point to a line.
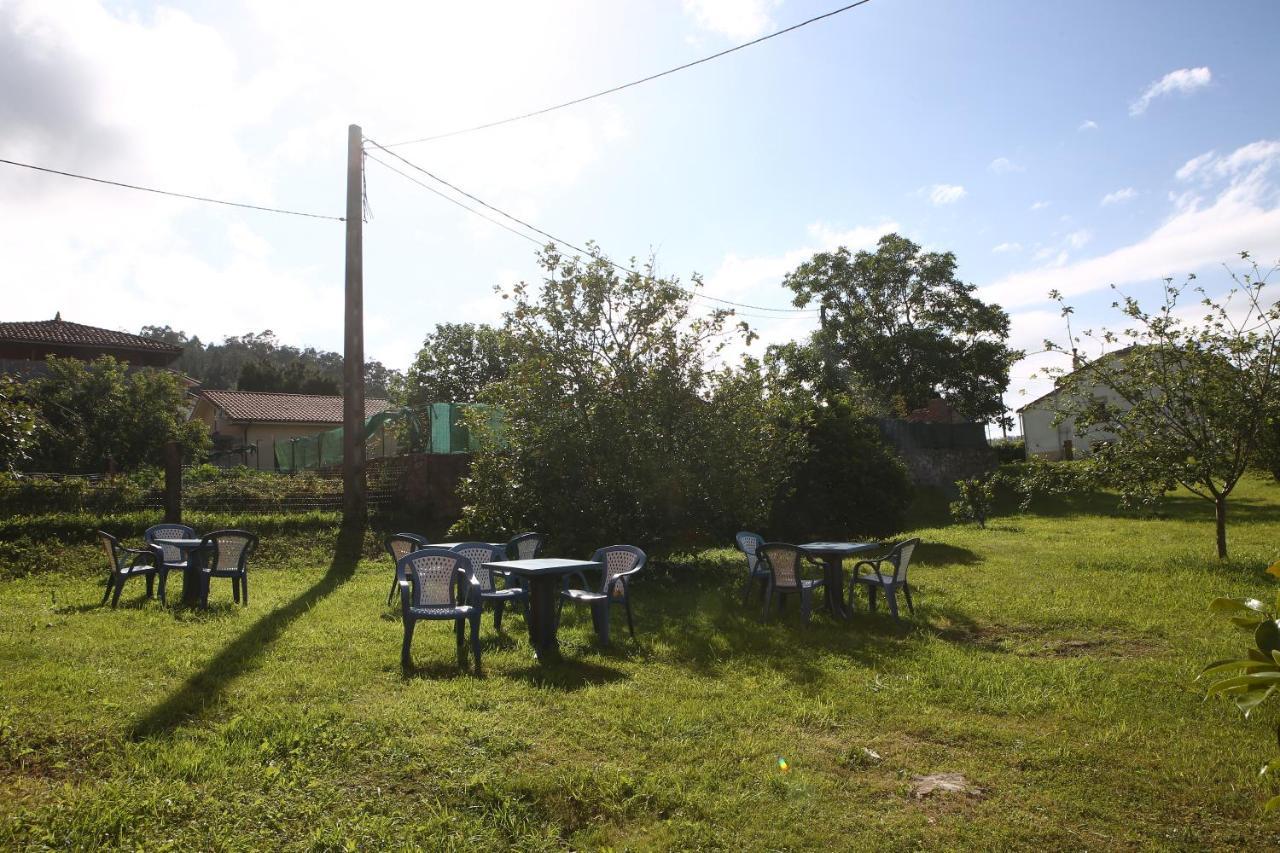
1051 661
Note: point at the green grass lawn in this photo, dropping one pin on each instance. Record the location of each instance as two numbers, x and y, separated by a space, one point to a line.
1051 661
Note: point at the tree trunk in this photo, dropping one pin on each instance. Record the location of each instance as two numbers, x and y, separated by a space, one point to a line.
1220 516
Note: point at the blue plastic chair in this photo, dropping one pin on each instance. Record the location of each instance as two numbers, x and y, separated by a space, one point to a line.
437 585
480 553
747 543
226 555
621 562
171 558
397 546
141 561
877 580
785 564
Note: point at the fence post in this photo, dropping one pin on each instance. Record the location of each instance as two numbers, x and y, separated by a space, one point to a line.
172 483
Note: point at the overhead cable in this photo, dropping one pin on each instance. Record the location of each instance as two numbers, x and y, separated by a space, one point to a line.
558 241
171 193
619 88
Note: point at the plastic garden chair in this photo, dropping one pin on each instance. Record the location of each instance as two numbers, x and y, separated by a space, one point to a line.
526 546
621 562
480 553
126 563
747 543
872 575
436 584
227 555
171 558
397 546
785 564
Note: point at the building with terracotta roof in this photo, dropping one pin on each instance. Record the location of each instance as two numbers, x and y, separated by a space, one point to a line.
26 345
252 423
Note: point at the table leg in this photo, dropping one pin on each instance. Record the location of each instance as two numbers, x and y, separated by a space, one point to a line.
191 578
544 595
835 586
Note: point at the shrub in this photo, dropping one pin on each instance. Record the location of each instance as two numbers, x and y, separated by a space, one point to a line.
976 496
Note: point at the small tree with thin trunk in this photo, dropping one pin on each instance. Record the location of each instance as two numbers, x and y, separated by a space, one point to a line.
1195 387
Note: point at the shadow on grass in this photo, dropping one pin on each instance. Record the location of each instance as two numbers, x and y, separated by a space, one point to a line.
567 674
206 686
941 554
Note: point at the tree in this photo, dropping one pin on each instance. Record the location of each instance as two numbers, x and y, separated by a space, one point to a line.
456 362
1196 395
101 414
296 377
19 424
900 323
613 428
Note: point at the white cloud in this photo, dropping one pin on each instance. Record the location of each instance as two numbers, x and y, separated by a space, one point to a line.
1078 239
1244 214
738 20
941 194
1038 205
1088 124
1119 196
1184 81
1005 248
1208 166
1003 165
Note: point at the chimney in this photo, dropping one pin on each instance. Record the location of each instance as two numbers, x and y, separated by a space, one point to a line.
1076 361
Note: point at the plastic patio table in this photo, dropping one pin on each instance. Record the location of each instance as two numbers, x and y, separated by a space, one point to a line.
544 576
833 555
194 556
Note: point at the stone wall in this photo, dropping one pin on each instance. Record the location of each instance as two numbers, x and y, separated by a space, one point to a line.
939 454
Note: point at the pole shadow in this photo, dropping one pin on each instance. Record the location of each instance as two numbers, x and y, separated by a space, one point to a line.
205 687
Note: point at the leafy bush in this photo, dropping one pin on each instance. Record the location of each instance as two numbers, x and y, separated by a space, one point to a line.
1251 680
1009 450
976 496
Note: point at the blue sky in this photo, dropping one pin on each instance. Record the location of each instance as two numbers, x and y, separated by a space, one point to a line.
1014 134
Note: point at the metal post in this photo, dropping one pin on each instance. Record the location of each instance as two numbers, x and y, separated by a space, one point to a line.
353 495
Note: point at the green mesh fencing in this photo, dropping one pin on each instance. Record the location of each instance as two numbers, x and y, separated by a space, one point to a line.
441 428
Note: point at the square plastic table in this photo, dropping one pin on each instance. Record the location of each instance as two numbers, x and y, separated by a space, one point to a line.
544 575
193 554
833 555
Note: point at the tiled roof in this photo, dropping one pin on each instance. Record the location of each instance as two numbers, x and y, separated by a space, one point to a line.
286 408
59 332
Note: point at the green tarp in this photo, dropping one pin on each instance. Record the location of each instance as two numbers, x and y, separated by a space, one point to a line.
438 429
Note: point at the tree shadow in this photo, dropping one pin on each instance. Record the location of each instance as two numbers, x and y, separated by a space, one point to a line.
942 554
205 687
567 674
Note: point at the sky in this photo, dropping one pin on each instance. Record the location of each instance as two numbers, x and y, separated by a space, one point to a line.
1049 146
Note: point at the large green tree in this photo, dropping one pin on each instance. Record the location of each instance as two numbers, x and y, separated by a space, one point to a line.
901 324
456 362
613 428
101 414
1196 389
20 424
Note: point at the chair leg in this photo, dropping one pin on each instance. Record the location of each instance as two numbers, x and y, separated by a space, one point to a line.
459 630
892 597
235 590
475 640
768 599
871 598
806 605
906 590
115 598
630 624
106 592
391 596
164 579
498 607
204 592
151 586
406 660
600 616
244 589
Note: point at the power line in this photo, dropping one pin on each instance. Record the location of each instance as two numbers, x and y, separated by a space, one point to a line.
619 88
169 193
556 240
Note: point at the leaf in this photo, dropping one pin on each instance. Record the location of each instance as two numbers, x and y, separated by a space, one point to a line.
1249 701
1241 683
1244 664
1274 569
1272 804
1254 654
1267 636
1235 605
1247 622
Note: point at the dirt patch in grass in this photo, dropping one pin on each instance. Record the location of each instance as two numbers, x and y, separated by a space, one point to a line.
1037 641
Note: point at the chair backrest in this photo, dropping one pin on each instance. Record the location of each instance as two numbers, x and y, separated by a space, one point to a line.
526 546
230 549
747 543
618 559
900 556
783 562
479 553
400 544
434 575
169 531
111 545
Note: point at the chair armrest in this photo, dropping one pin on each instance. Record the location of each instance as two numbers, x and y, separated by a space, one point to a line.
620 577
873 564
405 595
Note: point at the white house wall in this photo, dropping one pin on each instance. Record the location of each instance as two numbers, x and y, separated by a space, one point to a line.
1046 439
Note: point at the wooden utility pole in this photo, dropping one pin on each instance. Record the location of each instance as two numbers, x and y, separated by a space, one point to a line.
353 497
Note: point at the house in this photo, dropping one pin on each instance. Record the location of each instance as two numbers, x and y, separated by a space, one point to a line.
1058 441
25 346
248 425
